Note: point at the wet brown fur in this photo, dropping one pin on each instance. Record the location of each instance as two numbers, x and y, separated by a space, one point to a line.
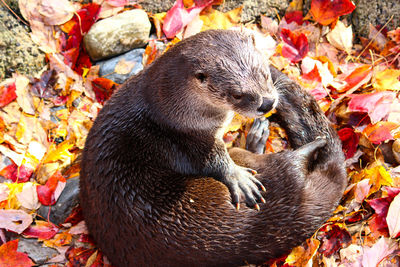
142 200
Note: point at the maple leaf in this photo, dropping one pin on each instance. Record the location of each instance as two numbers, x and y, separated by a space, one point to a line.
47 193
178 17
333 238
377 105
327 11
9 256
103 89
358 77
7 94
294 16
42 230
15 220
387 80
349 140
214 19
17 174
295 46
380 132
341 37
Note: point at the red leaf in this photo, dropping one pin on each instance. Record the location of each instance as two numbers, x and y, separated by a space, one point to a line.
46 192
7 94
42 230
17 174
349 141
71 56
327 11
313 75
78 256
294 16
103 89
178 17
376 104
333 239
121 3
381 206
357 78
9 256
380 132
295 46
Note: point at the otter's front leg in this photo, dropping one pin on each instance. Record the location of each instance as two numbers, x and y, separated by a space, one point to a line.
239 180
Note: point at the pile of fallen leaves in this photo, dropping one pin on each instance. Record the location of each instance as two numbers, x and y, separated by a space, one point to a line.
44 121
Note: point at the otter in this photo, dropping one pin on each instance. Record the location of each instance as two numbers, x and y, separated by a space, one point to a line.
157 183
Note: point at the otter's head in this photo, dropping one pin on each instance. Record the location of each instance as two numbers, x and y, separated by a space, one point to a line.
230 72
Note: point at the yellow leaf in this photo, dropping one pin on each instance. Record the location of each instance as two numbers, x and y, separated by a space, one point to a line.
59 152
378 177
25 129
58 240
387 80
302 255
215 19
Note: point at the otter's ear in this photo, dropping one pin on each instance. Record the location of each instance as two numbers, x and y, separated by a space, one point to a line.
201 76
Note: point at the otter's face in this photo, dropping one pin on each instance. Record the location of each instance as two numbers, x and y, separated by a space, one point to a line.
236 77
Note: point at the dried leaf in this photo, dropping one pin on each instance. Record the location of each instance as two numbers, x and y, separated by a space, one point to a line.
341 37
124 67
374 255
301 256
24 97
56 12
327 11
28 197
9 256
380 132
214 19
387 80
333 238
377 105
7 94
393 217
42 230
15 220
47 193
295 45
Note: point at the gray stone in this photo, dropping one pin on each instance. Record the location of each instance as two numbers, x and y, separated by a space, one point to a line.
107 67
376 12
35 250
251 8
17 51
68 199
118 34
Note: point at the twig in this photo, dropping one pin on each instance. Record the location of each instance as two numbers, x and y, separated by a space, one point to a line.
15 14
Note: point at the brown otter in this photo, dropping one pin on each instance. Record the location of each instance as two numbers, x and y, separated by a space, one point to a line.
157 183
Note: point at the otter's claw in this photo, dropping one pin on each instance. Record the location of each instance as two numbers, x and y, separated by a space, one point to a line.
243 185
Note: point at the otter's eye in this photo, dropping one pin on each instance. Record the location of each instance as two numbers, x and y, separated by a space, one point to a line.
237 96
200 76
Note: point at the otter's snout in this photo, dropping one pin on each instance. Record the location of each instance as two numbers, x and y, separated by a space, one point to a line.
266 105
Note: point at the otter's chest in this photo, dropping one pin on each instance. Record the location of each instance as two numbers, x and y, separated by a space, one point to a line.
228 119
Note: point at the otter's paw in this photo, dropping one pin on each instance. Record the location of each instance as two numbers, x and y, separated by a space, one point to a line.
243 184
257 136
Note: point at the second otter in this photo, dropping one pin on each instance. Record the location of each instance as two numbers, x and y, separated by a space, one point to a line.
157 183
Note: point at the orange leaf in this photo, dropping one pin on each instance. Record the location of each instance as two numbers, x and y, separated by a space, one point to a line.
9 256
327 11
357 78
379 132
103 88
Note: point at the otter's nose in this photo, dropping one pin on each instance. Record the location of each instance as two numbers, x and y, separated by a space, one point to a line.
266 105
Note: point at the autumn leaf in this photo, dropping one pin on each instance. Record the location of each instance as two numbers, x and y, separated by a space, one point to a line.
333 238
17 174
178 17
327 11
121 3
341 37
387 80
377 105
47 194
7 94
214 19
393 217
9 256
103 88
42 230
349 141
380 132
301 256
295 45
14 220
358 77
374 255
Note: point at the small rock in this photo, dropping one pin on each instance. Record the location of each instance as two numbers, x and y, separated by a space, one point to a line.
68 199
118 34
133 58
35 250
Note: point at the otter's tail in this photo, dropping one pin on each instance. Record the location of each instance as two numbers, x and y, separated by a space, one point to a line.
299 114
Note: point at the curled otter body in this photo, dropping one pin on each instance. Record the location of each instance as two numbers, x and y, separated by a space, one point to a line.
152 179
